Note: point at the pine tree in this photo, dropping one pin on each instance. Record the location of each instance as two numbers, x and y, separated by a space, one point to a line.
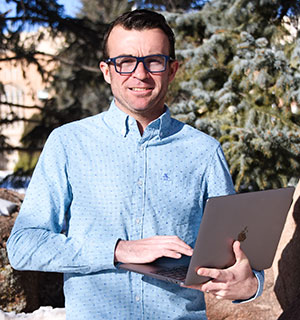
239 82
104 10
171 5
81 35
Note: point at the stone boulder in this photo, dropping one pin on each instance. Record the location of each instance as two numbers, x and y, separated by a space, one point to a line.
24 291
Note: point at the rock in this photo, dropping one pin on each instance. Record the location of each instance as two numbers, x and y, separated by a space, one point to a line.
24 291
11 292
7 207
12 196
281 297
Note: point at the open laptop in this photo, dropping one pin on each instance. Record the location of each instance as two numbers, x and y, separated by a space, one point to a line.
256 219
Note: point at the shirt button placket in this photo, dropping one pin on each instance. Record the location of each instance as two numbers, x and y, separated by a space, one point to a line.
140 191
137 298
140 183
138 223
138 303
138 194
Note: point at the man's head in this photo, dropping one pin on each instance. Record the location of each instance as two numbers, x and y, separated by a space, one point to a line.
141 20
138 64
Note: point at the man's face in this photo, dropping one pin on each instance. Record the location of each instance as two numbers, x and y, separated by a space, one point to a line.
141 93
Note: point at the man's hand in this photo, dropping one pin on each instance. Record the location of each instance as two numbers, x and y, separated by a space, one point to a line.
149 249
234 283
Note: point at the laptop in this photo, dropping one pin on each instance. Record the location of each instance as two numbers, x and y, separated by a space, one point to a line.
256 219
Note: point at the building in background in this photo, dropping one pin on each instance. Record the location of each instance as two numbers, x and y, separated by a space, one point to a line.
22 92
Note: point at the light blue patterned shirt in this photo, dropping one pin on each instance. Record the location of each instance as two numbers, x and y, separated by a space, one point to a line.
100 180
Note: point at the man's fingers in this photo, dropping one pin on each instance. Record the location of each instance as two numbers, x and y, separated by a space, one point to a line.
179 246
235 282
217 274
150 249
238 252
223 274
167 244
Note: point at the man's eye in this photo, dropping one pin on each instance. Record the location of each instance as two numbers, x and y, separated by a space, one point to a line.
126 61
155 61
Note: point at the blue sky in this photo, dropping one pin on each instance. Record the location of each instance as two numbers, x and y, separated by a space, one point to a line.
71 6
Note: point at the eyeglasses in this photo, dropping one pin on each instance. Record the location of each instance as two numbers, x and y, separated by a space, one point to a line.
154 63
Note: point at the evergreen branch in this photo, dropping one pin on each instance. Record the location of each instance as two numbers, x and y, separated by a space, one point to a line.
23 149
53 57
81 66
20 106
17 119
278 117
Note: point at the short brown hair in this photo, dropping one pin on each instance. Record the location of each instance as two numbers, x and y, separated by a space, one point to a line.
141 19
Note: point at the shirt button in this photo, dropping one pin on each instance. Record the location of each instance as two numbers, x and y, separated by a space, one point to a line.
141 148
140 182
137 298
138 221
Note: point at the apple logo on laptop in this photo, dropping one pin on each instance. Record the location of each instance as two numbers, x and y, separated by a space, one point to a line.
242 235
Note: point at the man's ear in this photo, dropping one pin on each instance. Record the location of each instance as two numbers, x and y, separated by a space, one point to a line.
174 65
104 67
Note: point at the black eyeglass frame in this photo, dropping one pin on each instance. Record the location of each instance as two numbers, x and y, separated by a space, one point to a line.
138 60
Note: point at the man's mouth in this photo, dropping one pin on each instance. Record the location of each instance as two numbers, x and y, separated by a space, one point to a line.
140 89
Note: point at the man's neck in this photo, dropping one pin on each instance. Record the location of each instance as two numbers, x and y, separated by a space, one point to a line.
144 119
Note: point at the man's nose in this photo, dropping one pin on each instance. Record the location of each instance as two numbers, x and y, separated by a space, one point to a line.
140 72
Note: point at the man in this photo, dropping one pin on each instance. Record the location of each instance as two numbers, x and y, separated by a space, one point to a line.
130 185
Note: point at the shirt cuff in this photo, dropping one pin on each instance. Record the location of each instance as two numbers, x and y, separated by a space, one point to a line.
260 276
116 263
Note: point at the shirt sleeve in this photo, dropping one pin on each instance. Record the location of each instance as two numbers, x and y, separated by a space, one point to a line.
37 240
218 181
260 276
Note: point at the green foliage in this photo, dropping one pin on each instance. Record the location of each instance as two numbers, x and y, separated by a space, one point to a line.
27 162
171 5
239 84
104 10
29 157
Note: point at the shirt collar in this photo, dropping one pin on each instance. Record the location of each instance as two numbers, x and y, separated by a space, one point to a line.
122 123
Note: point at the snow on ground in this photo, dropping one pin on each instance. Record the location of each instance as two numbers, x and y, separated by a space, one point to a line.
44 313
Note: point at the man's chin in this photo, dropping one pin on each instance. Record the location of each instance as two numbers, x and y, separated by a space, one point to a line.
142 107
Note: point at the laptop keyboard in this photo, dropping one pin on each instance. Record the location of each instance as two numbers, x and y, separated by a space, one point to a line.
178 273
